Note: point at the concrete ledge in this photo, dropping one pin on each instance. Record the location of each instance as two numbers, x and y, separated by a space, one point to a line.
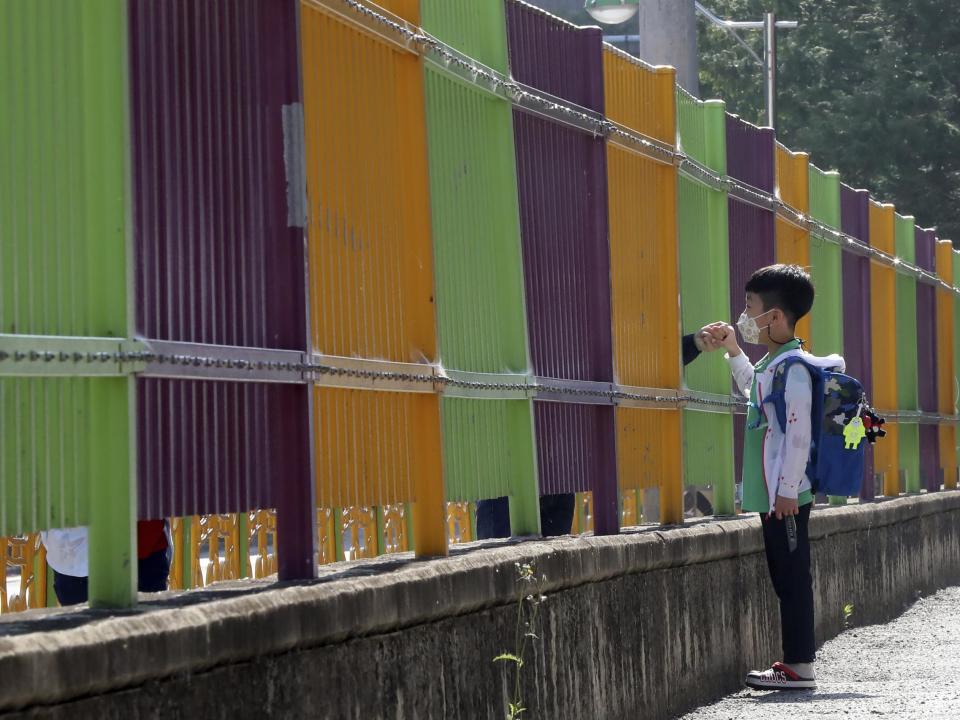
628 619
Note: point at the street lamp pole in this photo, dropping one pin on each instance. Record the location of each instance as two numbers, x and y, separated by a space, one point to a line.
770 66
769 26
666 32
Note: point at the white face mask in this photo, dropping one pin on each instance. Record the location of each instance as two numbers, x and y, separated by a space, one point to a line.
749 329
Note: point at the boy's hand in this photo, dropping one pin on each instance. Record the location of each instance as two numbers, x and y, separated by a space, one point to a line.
785 506
708 338
724 334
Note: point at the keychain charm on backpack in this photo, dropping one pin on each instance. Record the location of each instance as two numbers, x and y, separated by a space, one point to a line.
853 433
873 424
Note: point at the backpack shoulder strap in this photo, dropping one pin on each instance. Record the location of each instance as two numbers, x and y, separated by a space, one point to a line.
777 394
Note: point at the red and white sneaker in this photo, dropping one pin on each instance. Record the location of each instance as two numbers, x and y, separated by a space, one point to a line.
779 677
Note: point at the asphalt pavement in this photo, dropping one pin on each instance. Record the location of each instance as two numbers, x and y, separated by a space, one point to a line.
906 669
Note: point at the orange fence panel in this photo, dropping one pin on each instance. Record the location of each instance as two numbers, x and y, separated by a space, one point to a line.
793 242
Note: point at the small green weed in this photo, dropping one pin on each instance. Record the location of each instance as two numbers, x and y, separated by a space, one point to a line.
847 614
528 615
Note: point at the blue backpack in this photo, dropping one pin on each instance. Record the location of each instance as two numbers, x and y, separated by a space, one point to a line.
838 446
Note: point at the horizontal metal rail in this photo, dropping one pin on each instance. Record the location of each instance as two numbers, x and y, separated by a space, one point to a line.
55 356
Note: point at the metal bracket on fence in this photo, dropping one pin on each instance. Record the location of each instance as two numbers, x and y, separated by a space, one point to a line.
710 402
459 384
55 356
640 144
543 104
698 172
928 278
451 61
792 216
629 396
752 196
361 374
583 392
180 360
918 417
854 246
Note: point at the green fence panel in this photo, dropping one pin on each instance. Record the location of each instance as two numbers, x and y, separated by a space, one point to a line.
488 444
705 295
702 130
910 456
489 452
477 29
907 391
708 456
704 275
476 230
65 446
45 452
826 264
474 202
703 230
907 394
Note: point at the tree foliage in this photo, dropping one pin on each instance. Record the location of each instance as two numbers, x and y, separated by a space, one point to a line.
871 89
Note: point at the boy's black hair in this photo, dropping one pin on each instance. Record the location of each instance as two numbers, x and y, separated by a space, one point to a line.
787 287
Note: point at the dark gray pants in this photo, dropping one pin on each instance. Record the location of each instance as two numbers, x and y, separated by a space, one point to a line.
790 573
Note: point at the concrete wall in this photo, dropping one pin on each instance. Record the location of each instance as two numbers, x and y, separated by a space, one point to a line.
628 622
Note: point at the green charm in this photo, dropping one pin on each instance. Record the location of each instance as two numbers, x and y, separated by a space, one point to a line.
854 433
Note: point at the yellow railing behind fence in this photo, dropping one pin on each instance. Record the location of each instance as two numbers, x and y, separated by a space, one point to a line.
793 242
362 532
27 557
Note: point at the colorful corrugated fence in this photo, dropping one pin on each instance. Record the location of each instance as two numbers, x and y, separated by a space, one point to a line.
319 277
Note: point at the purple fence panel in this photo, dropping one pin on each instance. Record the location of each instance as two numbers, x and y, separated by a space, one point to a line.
218 219
205 447
931 477
752 230
751 246
562 179
563 200
576 451
554 56
750 153
857 341
214 99
857 337
750 159
926 241
926 324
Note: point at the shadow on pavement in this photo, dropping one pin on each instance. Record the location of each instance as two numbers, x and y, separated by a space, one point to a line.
776 696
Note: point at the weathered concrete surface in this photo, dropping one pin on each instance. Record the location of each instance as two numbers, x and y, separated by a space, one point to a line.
627 623
905 669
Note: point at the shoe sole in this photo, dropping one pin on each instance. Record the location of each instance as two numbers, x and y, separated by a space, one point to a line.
792 685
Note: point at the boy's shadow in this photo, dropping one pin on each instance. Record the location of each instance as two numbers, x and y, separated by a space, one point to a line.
775 697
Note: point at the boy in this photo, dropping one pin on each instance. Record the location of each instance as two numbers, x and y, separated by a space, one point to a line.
775 483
